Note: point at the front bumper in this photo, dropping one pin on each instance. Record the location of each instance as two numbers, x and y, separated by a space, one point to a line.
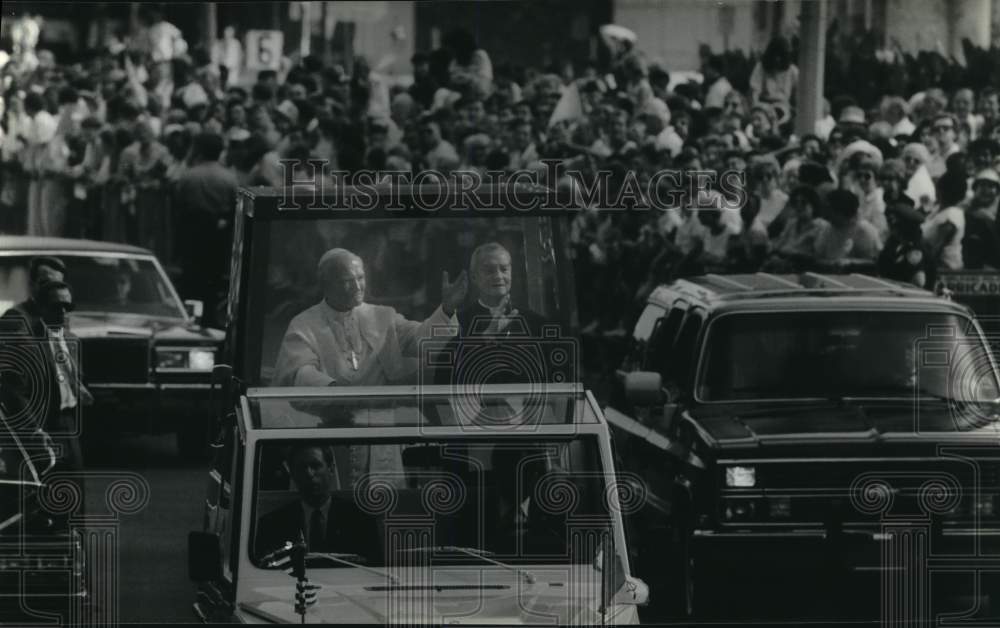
850 573
41 576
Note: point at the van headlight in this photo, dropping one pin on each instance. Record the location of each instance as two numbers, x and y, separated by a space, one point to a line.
202 360
741 477
185 359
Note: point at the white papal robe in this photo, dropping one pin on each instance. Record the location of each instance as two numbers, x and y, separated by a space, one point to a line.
380 343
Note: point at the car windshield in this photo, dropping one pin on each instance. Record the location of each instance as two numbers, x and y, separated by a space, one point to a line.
101 283
485 409
837 354
403 260
390 503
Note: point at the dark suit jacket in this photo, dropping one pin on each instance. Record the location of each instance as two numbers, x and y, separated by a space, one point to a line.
20 389
348 530
523 337
474 319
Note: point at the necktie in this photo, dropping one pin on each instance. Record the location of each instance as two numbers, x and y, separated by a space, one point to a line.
316 531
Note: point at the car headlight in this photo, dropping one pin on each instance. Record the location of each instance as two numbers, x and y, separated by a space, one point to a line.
194 359
201 360
741 477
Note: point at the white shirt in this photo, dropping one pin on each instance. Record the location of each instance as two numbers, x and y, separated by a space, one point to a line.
920 188
64 367
903 127
382 342
716 95
166 42
717 245
872 208
951 254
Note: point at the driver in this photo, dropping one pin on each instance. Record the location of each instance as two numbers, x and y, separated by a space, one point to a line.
328 523
123 287
521 524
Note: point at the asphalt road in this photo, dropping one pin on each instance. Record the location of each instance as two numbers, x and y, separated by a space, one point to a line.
152 560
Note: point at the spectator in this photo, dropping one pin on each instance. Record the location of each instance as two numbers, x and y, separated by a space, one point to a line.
798 238
989 108
775 76
471 72
863 174
765 184
439 154
848 237
892 179
895 111
143 170
475 150
920 185
205 196
944 229
159 39
717 87
38 128
905 256
946 133
961 106
981 246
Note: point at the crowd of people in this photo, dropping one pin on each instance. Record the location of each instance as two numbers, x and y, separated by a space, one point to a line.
133 142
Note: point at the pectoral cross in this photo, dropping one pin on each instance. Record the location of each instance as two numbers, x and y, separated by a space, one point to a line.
354 359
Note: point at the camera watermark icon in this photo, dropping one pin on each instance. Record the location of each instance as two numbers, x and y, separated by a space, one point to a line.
498 379
955 380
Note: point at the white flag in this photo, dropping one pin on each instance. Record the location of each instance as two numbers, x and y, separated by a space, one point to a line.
569 107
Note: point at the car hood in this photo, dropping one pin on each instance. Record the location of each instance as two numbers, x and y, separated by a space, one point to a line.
852 421
459 596
102 325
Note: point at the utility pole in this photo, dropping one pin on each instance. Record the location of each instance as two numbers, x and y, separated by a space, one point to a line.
304 43
210 25
812 58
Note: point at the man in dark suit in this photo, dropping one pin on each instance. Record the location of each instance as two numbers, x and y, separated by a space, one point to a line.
327 523
520 525
493 313
40 384
506 348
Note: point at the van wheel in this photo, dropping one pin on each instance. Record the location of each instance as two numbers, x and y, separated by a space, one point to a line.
192 439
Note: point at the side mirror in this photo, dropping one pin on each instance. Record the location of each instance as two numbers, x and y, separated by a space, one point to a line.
195 309
222 376
634 592
204 557
644 388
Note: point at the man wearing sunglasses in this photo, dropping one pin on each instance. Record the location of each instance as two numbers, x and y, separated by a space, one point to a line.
945 130
41 388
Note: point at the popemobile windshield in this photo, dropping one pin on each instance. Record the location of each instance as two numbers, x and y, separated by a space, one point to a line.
402 437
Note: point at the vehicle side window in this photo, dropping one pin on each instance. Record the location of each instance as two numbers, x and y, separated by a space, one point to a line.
685 347
660 355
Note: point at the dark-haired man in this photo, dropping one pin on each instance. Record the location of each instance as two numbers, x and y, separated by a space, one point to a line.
327 523
48 397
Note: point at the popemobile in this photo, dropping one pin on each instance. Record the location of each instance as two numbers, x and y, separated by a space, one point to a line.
402 437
